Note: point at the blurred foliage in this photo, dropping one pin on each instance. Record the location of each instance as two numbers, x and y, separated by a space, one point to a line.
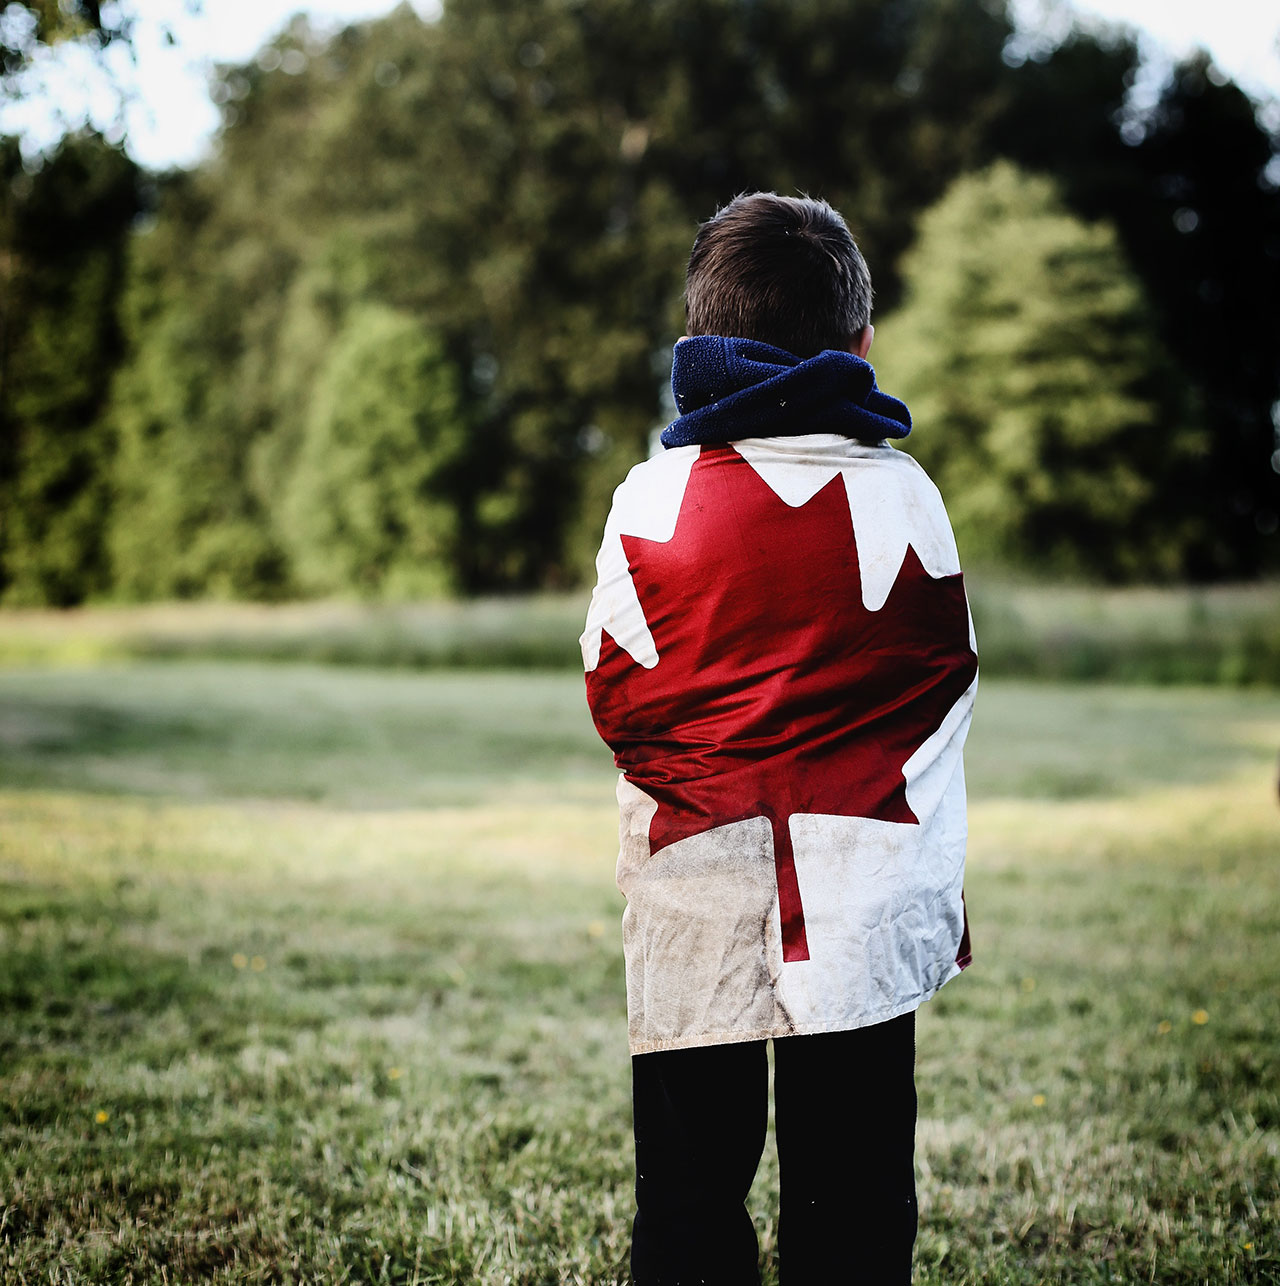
62 233
1198 214
483 220
185 521
523 181
1050 415
369 501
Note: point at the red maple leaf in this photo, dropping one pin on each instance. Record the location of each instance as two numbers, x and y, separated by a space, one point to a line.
776 691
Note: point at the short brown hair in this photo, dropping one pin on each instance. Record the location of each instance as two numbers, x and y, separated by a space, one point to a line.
782 270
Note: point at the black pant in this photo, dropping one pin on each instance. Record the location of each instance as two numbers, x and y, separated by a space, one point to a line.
845 1117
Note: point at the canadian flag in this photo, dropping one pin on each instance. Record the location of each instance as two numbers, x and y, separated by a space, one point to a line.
780 655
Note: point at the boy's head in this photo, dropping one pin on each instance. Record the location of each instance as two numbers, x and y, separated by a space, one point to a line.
781 270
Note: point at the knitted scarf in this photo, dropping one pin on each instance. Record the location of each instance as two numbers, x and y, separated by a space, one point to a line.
729 389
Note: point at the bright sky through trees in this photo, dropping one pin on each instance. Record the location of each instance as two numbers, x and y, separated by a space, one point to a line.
170 119
1242 35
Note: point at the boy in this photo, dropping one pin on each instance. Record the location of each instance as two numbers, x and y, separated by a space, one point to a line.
780 656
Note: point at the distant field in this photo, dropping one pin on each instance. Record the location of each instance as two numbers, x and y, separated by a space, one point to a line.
1219 635
313 974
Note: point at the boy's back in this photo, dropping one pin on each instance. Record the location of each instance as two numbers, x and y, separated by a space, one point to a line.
779 653
779 634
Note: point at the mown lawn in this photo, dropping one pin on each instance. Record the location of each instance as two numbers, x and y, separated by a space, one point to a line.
314 974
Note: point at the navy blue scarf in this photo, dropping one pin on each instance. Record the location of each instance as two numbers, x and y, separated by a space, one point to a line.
729 389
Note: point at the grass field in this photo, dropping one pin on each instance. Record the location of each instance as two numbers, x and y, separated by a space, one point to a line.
1224 634
314 975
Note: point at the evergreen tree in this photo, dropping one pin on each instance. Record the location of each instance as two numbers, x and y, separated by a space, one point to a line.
1047 409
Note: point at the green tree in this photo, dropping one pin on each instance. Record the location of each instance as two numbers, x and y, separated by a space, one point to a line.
63 233
523 179
1189 190
184 520
590 139
1047 409
368 506
251 267
1205 236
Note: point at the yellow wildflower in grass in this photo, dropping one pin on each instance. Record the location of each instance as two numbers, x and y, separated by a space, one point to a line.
1248 1245
1200 1017
395 1073
102 1117
257 964
1028 984
1164 1027
595 929
1038 1100
239 960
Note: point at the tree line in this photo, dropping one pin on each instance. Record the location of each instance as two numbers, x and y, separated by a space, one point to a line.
409 326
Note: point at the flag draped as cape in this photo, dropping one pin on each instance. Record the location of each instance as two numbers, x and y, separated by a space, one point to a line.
780 655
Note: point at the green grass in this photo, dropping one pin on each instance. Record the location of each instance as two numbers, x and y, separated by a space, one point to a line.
1227 635
314 975
1171 635
533 632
